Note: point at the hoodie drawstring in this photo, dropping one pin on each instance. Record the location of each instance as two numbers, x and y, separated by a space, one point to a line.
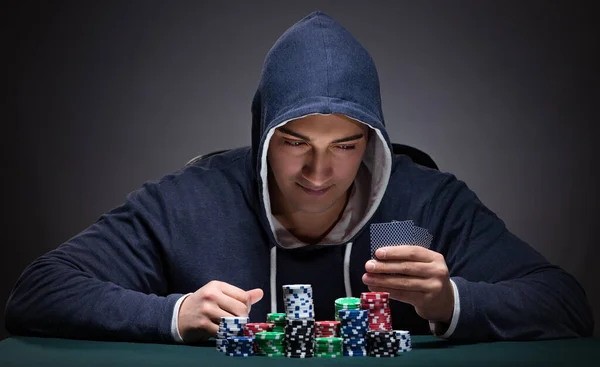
273 270
347 284
273 275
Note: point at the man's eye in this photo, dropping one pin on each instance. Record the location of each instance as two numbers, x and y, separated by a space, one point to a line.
346 147
294 143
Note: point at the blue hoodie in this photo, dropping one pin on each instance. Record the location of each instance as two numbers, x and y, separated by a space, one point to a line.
121 278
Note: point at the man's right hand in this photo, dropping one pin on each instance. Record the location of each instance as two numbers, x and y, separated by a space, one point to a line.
201 312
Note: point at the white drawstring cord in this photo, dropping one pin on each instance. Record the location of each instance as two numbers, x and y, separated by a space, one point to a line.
347 284
273 270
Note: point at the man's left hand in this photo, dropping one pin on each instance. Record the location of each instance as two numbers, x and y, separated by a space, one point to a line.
414 275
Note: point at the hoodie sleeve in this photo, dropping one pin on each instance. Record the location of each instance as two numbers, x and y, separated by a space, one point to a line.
107 283
507 290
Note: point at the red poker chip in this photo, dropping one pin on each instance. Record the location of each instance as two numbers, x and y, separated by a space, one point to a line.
375 309
380 313
332 335
327 323
377 306
252 328
374 296
378 317
380 327
364 305
259 325
375 301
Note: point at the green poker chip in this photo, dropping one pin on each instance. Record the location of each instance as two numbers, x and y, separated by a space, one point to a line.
347 301
329 355
269 335
276 317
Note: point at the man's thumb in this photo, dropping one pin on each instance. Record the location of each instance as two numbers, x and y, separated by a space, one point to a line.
255 295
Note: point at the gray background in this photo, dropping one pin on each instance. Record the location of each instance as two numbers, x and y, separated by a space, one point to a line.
104 95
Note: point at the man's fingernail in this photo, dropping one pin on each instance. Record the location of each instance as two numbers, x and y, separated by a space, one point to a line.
380 253
370 266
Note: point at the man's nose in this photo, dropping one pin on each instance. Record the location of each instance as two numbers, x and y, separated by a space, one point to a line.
317 169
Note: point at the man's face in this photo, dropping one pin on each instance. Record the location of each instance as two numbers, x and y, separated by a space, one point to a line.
314 160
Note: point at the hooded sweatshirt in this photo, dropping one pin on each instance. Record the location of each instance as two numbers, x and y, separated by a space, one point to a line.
124 277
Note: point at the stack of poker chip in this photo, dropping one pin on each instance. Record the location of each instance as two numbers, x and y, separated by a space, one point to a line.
298 301
251 329
346 303
299 338
299 322
278 321
354 327
269 343
240 346
404 342
327 329
382 343
229 326
330 347
377 304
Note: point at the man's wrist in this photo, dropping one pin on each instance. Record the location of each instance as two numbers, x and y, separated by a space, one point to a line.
175 320
445 330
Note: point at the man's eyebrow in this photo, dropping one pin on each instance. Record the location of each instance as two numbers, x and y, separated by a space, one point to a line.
349 138
300 136
292 133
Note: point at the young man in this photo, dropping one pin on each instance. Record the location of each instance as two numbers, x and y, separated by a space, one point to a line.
218 236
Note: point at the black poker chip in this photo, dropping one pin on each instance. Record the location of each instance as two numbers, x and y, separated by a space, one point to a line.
299 338
382 343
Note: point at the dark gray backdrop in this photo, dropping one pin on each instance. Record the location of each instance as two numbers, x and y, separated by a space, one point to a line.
104 95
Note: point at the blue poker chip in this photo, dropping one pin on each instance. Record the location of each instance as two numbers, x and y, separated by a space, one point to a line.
234 320
349 346
363 323
355 354
241 339
346 314
350 328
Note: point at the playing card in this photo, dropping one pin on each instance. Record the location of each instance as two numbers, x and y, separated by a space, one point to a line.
391 234
422 237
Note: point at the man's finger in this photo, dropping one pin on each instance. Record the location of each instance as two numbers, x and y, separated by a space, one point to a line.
408 253
412 268
412 298
255 295
234 292
232 305
216 318
398 282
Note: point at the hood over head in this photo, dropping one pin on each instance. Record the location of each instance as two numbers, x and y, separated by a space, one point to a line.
318 67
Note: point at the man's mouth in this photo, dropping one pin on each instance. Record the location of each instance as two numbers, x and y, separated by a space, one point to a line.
315 191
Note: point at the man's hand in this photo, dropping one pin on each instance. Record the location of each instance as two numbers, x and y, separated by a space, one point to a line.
201 312
414 275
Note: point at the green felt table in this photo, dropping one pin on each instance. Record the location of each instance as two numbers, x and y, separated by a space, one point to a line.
427 351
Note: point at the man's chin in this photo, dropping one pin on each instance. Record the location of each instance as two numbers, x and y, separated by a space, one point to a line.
315 209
